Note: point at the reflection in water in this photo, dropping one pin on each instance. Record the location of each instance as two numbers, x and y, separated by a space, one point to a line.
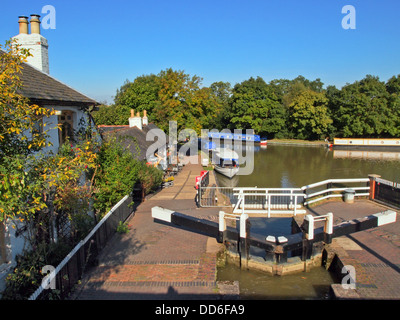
293 167
224 181
296 166
367 155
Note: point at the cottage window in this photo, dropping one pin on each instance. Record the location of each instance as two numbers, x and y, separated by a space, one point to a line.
38 126
66 123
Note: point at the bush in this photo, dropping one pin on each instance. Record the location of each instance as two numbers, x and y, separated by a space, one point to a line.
26 276
150 179
118 173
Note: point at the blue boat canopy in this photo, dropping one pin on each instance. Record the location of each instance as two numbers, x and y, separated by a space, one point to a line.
210 145
234 136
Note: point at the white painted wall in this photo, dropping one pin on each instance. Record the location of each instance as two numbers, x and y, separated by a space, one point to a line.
14 246
38 47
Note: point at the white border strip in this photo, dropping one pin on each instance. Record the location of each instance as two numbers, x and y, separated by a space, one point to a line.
385 217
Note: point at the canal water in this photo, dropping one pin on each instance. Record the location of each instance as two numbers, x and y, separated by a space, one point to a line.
294 166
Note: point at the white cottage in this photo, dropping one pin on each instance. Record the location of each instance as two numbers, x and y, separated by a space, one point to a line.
72 113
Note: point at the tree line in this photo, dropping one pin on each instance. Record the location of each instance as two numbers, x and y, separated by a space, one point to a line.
282 108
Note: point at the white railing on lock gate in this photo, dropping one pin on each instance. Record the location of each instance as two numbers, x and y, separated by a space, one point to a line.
331 192
267 200
290 200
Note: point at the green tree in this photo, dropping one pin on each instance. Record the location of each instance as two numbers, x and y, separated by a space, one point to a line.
365 108
112 115
183 100
393 89
309 117
169 96
141 94
287 90
393 85
254 105
222 91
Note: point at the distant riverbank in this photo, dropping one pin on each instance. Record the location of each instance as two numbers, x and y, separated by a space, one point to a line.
316 143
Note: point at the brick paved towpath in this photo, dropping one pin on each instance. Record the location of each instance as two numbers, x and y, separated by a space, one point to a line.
156 261
374 253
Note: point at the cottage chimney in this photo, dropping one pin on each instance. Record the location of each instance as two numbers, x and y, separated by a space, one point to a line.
23 24
145 121
135 121
35 24
34 42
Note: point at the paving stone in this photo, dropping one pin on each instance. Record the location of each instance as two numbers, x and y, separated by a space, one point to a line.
374 253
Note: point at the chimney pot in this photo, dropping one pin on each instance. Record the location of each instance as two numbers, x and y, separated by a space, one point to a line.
35 23
23 24
145 121
135 121
35 42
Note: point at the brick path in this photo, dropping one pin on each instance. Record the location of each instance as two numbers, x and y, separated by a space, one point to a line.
374 253
157 261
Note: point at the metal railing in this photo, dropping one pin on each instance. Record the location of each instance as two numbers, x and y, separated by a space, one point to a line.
386 191
266 200
279 200
334 188
71 268
215 196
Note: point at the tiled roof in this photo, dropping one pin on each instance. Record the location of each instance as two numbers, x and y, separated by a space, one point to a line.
106 128
138 145
40 87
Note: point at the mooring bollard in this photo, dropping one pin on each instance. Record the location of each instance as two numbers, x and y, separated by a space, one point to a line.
221 227
309 224
270 254
328 228
280 253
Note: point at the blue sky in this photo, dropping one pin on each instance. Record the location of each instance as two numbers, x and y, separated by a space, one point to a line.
97 45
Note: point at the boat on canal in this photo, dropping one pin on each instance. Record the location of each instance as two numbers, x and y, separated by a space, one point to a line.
226 161
366 144
234 136
263 142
